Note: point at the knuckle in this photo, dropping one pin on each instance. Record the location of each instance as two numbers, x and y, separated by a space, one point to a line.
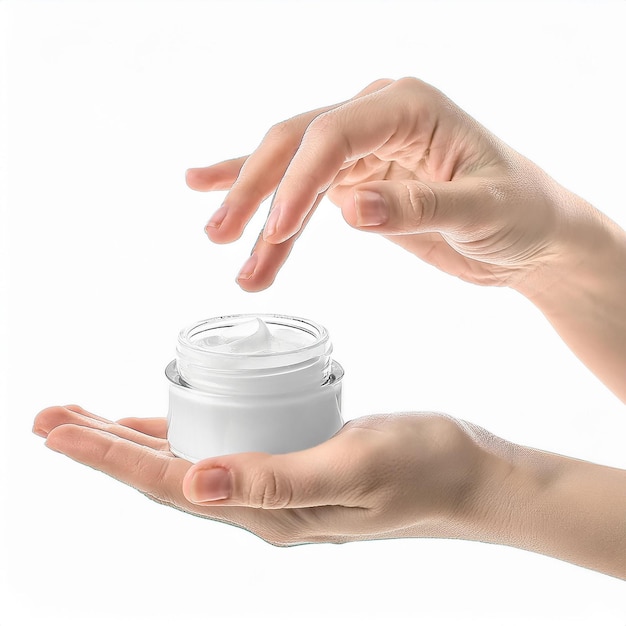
322 124
410 83
444 426
167 487
421 205
280 131
377 85
415 87
328 130
267 491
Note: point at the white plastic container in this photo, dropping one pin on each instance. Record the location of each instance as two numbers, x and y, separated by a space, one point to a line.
243 383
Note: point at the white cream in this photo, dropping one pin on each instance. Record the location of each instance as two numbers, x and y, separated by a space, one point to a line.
255 337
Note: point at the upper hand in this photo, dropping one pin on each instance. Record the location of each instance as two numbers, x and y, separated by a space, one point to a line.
401 160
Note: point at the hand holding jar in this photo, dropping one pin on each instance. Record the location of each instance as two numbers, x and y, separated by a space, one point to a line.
382 476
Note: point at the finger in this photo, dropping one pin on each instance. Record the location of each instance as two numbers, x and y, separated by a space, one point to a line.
260 270
261 172
153 426
216 177
150 470
50 419
258 178
328 474
221 176
464 206
383 121
157 475
79 409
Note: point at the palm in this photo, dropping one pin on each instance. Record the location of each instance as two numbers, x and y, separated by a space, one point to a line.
332 492
136 452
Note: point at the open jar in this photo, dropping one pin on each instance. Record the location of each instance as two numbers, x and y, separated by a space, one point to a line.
244 383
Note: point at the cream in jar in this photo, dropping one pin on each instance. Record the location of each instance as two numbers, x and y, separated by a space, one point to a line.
243 383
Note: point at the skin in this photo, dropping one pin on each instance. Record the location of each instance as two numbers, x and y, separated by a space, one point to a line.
403 161
455 196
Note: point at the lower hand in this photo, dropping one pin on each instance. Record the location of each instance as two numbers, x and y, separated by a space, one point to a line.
383 476
380 476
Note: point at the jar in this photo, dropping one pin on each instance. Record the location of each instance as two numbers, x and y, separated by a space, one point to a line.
243 383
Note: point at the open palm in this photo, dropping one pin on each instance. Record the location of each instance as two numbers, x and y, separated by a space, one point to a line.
379 477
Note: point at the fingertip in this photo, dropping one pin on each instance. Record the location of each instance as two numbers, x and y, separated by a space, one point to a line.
273 239
282 225
247 270
252 286
276 238
191 177
58 435
217 218
38 430
226 233
258 281
37 422
202 178
271 226
348 210
44 420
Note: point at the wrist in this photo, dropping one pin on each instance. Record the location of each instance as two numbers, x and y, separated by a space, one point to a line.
550 504
577 252
580 287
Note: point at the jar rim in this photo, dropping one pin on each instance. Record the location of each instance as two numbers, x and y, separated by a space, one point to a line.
202 355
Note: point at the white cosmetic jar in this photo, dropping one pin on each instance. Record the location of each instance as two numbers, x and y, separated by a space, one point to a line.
252 383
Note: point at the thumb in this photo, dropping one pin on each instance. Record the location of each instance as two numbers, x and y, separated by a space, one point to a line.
314 477
410 207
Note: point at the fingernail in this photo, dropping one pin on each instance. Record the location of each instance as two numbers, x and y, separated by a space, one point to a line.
218 217
271 224
248 268
210 485
371 208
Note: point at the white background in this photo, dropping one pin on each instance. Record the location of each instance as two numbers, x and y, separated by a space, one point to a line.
105 104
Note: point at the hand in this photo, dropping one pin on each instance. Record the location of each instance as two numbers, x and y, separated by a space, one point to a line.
401 160
380 476
384 476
